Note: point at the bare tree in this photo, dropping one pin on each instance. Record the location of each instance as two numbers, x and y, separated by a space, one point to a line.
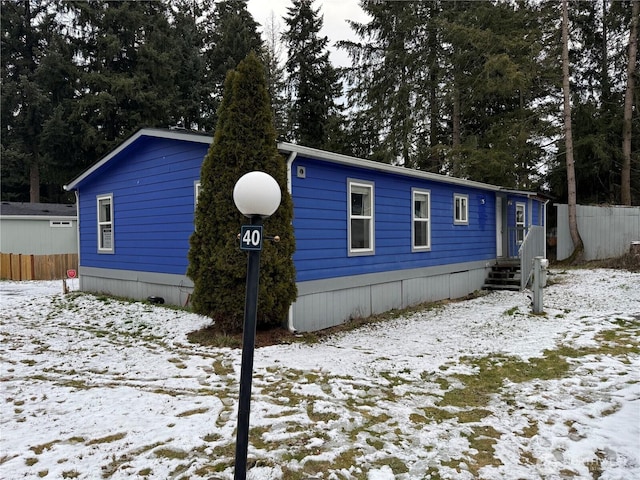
578 246
625 174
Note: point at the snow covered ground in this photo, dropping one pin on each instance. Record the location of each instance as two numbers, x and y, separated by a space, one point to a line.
91 387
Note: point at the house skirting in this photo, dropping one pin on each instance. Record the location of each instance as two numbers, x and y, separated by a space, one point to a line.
321 303
174 289
326 303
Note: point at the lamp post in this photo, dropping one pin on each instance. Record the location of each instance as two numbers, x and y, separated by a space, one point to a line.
257 195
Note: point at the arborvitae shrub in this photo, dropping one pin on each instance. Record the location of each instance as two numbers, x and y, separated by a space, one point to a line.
244 141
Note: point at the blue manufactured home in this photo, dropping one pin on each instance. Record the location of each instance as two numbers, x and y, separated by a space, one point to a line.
370 237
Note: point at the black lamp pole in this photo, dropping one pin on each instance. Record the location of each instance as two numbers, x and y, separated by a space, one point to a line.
246 368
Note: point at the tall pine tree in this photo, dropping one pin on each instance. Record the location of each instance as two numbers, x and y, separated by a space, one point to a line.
244 141
313 83
37 83
127 79
234 35
387 85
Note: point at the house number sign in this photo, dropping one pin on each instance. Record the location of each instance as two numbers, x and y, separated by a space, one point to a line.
251 237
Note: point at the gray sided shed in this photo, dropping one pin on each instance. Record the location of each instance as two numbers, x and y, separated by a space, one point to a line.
38 228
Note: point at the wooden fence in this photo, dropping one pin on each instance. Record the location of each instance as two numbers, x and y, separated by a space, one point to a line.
15 266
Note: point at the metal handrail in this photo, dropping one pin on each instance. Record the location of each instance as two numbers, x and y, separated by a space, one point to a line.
532 246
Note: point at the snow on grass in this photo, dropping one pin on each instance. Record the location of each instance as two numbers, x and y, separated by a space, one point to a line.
93 387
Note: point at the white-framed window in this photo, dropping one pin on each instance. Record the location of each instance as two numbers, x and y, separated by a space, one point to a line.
520 222
421 225
60 223
197 187
361 218
105 223
460 209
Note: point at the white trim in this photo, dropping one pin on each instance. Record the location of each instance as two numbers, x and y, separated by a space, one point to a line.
384 167
60 223
37 217
464 210
197 187
414 219
522 224
101 224
145 132
370 250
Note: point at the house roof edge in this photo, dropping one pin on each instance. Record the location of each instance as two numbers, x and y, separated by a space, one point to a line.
384 167
143 132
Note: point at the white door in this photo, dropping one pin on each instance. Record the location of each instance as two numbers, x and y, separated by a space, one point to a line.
499 252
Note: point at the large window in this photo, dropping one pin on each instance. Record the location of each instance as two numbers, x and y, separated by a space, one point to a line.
421 227
105 224
460 209
361 240
520 222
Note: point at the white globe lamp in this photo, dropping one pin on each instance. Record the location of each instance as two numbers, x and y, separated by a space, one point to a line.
257 194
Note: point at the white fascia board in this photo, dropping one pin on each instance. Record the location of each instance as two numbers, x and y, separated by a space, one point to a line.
38 217
383 167
144 132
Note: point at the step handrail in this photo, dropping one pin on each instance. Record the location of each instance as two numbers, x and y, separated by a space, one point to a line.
532 246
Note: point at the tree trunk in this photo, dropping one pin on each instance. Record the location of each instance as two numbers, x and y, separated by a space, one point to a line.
434 114
34 183
456 140
578 246
625 174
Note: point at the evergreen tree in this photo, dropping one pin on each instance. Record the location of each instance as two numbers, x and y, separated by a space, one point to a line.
313 83
234 34
244 141
127 77
599 62
497 89
387 80
37 83
628 109
195 105
275 72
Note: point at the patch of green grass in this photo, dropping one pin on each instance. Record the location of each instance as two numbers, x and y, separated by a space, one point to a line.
223 367
398 467
195 411
494 370
116 462
108 439
171 453
512 311
38 449
531 430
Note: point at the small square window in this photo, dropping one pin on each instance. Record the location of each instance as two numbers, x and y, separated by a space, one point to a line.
460 209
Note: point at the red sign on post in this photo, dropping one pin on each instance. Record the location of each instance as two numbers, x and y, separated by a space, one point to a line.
71 273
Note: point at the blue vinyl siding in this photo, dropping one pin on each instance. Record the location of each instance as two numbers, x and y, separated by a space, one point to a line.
320 223
152 183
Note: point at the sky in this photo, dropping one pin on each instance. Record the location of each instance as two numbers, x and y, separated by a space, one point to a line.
93 387
335 13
